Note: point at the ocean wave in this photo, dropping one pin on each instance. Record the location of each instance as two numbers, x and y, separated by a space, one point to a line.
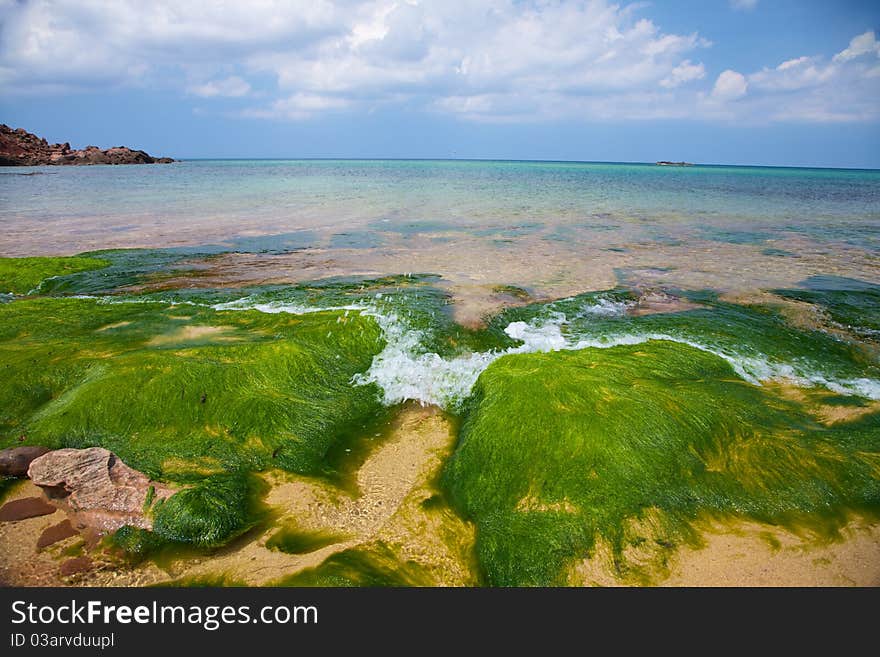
272 307
405 371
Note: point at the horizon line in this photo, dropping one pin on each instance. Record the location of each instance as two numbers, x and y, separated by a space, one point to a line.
519 160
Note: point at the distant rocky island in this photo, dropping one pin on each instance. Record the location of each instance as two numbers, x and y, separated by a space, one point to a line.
18 147
667 163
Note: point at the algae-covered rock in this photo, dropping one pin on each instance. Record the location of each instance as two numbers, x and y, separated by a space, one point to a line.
23 275
131 377
629 446
207 514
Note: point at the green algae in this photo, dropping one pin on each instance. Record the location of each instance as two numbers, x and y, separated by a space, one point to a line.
128 267
630 446
373 566
135 544
131 546
183 392
293 540
206 515
24 275
203 581
416 301
264 390
756 336
851 303
210 513
517 293
75 549
199 396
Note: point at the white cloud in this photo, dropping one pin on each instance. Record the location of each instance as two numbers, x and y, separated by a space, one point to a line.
483 60
864 44
730 85
355 53
684 72
232 86
82 43
814 88
743 5
794 74
297 107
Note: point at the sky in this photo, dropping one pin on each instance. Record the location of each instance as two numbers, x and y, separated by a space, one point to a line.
771 82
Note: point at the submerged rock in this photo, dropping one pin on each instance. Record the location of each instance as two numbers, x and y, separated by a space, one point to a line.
97 489
76 566
14 461
28 507
55 533
18 147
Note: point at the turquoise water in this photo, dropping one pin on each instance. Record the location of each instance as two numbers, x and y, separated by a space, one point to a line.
553 228
738 204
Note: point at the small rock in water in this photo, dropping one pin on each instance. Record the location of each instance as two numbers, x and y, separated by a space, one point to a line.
28 507
55 533
75 566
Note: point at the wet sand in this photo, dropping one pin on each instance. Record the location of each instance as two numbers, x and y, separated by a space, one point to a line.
393 482
749 554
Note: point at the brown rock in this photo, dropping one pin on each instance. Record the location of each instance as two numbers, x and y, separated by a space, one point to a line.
21 148
14 461
55 533
96 488
28 507
75 566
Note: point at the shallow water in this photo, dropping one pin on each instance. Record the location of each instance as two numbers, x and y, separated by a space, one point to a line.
552 227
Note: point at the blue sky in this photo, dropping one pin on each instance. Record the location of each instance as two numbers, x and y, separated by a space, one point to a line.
726 81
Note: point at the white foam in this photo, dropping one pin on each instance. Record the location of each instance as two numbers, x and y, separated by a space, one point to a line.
405 371
546 336
607 308
273 307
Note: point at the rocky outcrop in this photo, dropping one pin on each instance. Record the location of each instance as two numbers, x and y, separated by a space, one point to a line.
14 461
97 490
18 147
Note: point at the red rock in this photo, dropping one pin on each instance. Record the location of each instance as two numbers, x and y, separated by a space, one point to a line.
56 533
96 488
28 507
14 461
75 566
21 148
